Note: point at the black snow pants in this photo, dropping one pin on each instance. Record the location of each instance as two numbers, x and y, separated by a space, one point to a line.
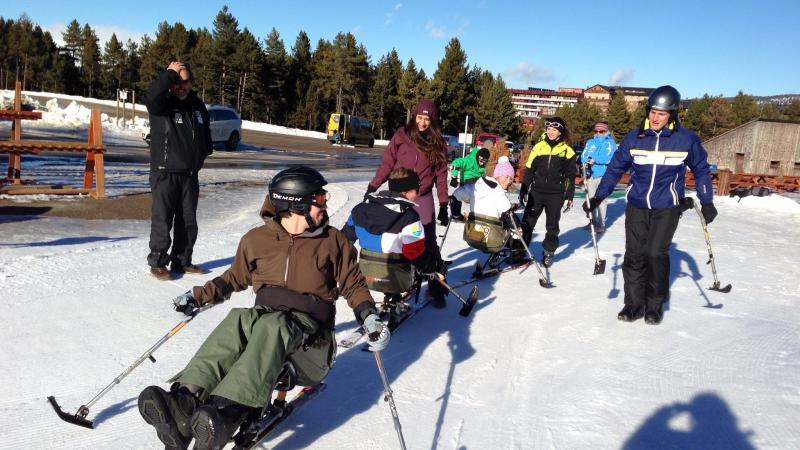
174 203
551 205
645 268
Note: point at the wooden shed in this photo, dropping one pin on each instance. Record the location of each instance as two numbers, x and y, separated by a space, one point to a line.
766 146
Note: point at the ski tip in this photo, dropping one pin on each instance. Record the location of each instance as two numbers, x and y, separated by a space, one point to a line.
472 300
75 419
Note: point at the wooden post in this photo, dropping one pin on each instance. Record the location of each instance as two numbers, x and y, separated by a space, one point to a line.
14 159
724 183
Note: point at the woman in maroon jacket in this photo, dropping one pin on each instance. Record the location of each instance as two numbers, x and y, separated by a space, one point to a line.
419 146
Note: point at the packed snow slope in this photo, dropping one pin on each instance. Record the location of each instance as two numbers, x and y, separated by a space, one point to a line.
530 368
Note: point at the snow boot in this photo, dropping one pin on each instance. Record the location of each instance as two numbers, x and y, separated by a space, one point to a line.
169 412
631 313
547 258
654 316
215 423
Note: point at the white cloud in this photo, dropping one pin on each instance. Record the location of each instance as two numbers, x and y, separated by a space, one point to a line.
530 74
439 32
620 77
103 32
390 15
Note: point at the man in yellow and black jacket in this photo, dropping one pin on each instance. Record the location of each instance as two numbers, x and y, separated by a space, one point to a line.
548 182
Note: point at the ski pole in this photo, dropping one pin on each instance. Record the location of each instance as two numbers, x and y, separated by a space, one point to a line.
79 418
544 281
469 303
446 229
716 286
390 398
599 264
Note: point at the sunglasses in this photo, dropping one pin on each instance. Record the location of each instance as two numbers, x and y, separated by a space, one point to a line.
320 198
183 82
553 125
600 131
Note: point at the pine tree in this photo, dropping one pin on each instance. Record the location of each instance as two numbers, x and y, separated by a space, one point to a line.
618 116
321 97
112 67
721 116
768 111
90 60
494 112
450 87
384 109
226 39
634 120
350 76
203 65
792 111
249 62
275 73
73 41
410 88
744 108
299 81
580 119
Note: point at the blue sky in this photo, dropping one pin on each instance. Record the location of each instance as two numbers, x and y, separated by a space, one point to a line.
715 47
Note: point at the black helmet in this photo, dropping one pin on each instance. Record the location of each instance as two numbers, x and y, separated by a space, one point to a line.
293 189
664 98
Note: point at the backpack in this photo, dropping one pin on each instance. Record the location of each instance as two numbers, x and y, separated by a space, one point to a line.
746 191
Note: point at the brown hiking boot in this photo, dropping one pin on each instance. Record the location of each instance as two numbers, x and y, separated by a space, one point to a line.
160 273
189 268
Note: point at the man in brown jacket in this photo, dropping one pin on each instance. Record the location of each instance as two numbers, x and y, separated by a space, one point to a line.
298 266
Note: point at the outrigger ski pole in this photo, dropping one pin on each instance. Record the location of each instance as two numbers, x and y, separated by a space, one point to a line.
544 280
716 286
390 398
469 303
599 264
79 418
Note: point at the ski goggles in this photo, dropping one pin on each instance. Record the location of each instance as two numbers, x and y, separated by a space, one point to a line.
320 198
557 125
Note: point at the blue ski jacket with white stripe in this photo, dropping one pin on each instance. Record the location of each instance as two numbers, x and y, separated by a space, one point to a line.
658 161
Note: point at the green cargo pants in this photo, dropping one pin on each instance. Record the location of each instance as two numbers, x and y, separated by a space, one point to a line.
242 358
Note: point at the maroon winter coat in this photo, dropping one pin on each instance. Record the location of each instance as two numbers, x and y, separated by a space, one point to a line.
401 152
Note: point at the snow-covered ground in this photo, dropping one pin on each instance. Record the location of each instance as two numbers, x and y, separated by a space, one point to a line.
530 368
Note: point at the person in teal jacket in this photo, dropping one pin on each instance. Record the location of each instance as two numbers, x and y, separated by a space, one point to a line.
466 170
596 155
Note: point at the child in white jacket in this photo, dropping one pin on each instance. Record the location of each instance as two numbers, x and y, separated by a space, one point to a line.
487 196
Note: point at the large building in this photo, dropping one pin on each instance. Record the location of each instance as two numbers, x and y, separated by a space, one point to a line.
766 146
533 103
600 95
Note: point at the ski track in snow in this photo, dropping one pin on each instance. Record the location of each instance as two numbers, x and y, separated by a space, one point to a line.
529 368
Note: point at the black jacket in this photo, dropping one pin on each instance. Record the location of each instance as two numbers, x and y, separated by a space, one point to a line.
180 137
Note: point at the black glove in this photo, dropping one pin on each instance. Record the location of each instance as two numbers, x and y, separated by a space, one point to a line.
686 204
709 212
454 182
591 205
370 190
523 194
426 263
443 217
185 303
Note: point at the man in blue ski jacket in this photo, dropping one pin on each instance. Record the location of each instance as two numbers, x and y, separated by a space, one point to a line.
596 155
658 152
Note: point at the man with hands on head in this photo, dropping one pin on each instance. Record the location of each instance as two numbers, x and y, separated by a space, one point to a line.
180 141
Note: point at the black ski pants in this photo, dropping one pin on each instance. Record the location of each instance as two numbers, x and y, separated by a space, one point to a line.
551 205
645 268
432 246
174 204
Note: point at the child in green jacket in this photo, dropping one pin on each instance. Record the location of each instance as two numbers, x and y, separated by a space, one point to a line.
466 170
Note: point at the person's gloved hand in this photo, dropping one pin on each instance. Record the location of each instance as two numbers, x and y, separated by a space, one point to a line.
377 332
370 190
709 212
454 182
686 204
185 303
443 217
523 194
426 262
591 205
